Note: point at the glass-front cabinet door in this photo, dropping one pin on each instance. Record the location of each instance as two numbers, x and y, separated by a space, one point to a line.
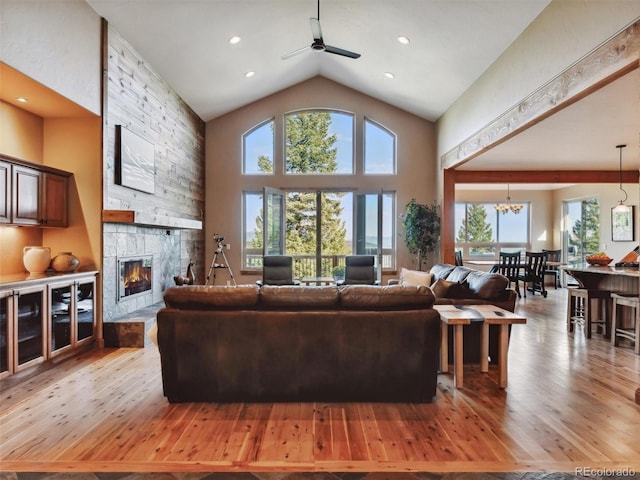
85 310
6 350
72 314
60 317
30 327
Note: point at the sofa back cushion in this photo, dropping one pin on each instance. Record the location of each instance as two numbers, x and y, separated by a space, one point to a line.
298 297
390 297
441 270
459 274
207 297
487 285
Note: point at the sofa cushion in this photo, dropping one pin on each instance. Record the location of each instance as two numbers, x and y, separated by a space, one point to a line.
459 274
446 289
441 270
487 285
298 297
415 278
390 297
203 297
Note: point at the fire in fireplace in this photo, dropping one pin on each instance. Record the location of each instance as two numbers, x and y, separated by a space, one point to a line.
135 275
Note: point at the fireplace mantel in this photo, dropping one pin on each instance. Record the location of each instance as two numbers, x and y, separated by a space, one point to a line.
144 219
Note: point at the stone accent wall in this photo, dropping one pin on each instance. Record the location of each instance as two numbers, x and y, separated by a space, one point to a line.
139 100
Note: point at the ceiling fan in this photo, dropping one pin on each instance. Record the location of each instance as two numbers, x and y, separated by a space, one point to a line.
318 43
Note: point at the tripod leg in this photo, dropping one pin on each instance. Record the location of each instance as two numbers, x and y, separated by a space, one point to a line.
212 269
226 262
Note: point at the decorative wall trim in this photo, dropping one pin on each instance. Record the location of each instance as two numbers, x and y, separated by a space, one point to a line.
613 59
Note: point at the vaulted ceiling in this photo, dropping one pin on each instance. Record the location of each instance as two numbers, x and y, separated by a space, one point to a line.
451 43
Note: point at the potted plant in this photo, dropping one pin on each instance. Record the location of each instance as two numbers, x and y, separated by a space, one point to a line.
421 229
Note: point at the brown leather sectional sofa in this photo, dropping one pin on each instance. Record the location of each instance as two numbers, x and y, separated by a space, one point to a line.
293 343
458 285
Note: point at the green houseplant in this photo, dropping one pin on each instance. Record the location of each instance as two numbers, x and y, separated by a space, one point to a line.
421 229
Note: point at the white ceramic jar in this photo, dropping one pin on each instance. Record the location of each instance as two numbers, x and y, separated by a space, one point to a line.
36 259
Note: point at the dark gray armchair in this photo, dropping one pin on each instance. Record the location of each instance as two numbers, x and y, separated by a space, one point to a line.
359 270
277 270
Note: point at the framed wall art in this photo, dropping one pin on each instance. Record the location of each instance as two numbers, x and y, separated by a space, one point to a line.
623 224
135 161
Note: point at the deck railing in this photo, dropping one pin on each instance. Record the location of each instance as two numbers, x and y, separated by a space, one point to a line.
305 265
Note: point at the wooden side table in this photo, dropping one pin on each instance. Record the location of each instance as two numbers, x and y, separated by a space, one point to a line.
462 315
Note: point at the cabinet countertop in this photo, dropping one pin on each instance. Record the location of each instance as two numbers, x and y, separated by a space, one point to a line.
25 279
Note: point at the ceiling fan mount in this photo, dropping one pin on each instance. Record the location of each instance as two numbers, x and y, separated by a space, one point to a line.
318 44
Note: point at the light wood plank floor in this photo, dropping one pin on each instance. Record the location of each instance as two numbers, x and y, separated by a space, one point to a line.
569 404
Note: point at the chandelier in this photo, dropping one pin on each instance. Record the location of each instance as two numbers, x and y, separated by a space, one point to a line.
505 208
621 207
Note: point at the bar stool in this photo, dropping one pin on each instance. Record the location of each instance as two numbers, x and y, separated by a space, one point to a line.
579 310
617 331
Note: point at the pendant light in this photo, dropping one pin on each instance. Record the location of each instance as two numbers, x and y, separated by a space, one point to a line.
505 208
621 207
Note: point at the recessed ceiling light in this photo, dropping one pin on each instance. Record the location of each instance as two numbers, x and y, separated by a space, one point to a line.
22 100
389 75
249 74
403 39
235 39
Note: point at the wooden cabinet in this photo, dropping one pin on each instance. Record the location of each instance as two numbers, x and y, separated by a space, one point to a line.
44 318
33 195
5 192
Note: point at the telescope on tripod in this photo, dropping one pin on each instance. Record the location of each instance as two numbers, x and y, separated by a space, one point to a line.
224 263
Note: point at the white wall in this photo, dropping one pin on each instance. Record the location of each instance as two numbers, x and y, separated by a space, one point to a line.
562 34
55 43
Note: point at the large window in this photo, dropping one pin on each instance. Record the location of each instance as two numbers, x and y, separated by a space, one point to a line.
320 228
483 232
318 142
379 149
257 149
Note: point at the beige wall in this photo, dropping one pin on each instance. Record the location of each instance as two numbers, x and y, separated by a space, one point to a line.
608 197
225 183
73 145
547 224
21 133
542 210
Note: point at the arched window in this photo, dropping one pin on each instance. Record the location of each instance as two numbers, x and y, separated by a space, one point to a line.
379 149
257 149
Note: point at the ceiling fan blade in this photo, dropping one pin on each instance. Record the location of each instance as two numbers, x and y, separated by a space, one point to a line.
340 51
316 31
295 52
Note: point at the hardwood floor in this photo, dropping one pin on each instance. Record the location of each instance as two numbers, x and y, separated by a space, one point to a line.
569 404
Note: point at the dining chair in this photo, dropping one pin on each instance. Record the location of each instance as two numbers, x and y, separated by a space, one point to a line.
509 266
553 256
533 273
277 270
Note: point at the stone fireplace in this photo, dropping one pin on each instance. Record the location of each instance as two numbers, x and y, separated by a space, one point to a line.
135 276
